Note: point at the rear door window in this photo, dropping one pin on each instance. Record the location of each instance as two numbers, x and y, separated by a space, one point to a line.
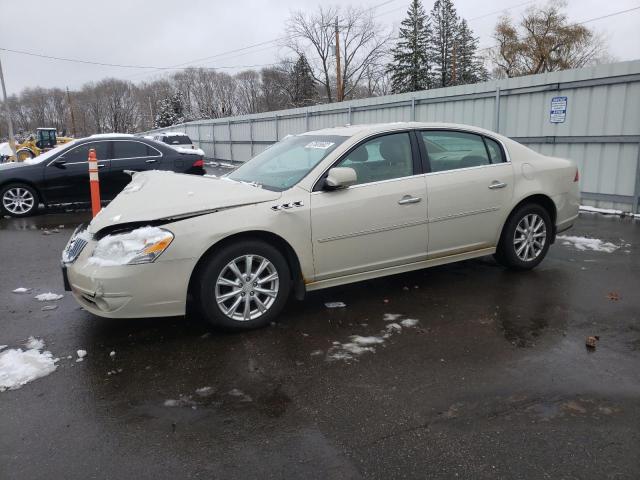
452 150
127 149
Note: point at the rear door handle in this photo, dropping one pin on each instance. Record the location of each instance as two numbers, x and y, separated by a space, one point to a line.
407 199
496 184
151 160
101 165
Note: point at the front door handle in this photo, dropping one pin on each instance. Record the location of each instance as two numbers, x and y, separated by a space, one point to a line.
151 160
496 184
407 199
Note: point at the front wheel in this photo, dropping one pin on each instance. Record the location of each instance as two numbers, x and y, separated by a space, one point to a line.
18 200
243 286
525 238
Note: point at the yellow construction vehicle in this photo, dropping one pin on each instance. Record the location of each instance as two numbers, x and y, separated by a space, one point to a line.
47 138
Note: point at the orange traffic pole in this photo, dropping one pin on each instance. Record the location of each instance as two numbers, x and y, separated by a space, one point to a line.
94 181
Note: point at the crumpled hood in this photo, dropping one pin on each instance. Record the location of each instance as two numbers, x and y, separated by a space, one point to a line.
155 195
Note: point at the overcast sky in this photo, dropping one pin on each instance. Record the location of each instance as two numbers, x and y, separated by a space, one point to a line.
166 33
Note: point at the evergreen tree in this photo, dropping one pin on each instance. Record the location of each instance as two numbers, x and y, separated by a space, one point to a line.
469 67
170 112
445 25
303 86
410 68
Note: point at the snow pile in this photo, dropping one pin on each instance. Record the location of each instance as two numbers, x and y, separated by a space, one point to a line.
358 345
81 355
335 304
19 367
607 211
21 290
120 249
234 392
34 343
584 243
48 297
192 151
5 149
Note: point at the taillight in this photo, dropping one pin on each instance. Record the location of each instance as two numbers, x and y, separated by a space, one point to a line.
198 163
577 177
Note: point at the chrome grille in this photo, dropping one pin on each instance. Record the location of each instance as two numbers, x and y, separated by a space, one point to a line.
74 247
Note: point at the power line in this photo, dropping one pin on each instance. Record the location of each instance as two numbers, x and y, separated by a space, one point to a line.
75 60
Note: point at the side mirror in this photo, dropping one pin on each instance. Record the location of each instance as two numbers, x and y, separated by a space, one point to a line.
60 162
340 177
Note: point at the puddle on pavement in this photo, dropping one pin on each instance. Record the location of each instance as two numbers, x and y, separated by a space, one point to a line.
54 219
521 331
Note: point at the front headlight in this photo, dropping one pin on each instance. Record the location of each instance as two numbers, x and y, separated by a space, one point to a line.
142 245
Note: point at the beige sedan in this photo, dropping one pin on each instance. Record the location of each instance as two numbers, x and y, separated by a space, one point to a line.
317 210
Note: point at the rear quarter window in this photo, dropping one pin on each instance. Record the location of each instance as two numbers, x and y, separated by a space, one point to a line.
495 151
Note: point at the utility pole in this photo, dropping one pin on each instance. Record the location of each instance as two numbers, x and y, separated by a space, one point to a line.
73 118
12 141
339 91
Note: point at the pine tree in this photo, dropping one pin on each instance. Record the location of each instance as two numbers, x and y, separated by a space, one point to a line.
170 112
444 21
469 67
410 68
303 86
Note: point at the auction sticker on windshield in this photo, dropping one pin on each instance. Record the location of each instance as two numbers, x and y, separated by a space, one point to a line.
319 145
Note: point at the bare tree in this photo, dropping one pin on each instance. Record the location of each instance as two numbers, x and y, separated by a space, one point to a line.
362 44
248 92
544 41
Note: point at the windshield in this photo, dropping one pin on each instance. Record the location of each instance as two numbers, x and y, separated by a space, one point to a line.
177 140
287 162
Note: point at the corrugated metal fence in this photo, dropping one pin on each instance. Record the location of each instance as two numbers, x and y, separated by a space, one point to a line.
591 115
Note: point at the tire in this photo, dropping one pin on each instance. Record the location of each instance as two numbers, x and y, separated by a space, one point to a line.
18 200
217 282
525 237
24 154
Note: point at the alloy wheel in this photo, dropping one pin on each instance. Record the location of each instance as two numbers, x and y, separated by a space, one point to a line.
247 287
530 237
18 200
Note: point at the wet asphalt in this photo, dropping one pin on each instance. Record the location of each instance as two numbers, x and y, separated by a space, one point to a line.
495 382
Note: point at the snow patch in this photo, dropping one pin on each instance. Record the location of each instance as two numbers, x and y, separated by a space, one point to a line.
391 317
585 243
409 322
19 367
607 211
48 297
21 290
33 342
335 304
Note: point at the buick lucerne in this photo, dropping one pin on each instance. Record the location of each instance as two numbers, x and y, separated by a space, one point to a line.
317 210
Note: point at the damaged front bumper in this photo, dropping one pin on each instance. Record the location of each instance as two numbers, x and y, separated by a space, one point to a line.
157 289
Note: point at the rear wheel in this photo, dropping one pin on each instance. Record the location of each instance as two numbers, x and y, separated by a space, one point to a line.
18 200
525 238
243 286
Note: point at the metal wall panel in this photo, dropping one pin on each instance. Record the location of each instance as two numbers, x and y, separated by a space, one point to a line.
601 131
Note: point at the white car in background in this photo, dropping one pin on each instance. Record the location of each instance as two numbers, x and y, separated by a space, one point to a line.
175 139
318 210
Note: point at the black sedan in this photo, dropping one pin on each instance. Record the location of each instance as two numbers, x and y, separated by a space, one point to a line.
62 175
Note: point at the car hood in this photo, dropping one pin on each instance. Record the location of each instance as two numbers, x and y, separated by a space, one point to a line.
11 165
157 195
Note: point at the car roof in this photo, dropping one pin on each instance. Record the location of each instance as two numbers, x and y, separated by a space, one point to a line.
172 134
351 130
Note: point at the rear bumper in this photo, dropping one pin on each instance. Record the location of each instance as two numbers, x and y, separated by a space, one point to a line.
131 291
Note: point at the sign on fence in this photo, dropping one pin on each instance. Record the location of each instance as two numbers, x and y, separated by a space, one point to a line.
558 112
